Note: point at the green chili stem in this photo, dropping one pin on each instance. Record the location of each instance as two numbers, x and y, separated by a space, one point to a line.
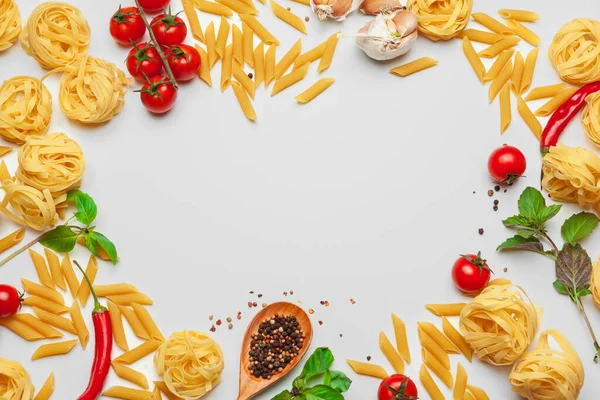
97 306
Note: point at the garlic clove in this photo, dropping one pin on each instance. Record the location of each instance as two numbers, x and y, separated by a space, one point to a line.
336 10
374 7
405 21
388 36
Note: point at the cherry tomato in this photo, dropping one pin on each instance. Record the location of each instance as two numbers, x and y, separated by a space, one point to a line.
471 273
127 26
154 6
10 301
144 60
184 61
168 29
158 94
506 164
396 387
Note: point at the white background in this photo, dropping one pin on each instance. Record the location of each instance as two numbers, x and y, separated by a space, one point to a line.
365 193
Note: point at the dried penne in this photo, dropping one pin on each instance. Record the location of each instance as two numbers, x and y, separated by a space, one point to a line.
11 239
401 338
413 66
491 23
519 15
238 46
476 35
192 17
147 321
83 293
213 8
311 56
447 309
363 368
5 150
497 66
473 59
390 353
54 349
500 81
55 270
226 68
239 7
69 274
45 292
305 2
125 393
46 390
4 174
134 322
478 393
434 365
528 70
288 17
434 349
498 47
469 396
164 389
555 102
130 375
42 269
457 338
517 73
114 289
288 59
327 56
314 90
259 30
243 79
438 337
37 325
288 80
543 92
55 320
530 119
45 304
129 298
21 329
138 352
429 384
524 33
222 36
270 64
460 386
79 324
116 321
204 71
211 44
242 98
156 394
259 64
248 45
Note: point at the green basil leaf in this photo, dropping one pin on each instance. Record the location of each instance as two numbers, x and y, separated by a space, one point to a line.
525 233
60 239
317 363
578 227
322 392
518 242
583 292
339 381
107 245
560 288
299 383
573 269
285 395
86 209
517 220
549 212
532 204
73 194
327 378
91 242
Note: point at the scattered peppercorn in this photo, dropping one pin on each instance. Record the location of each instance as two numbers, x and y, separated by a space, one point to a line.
210 317
307 19
212 328
289 9
264 305
228 319
352 301
495 208
230 326
320 322
505 269
250 304
250 75
219 322
496 202
341 335
490 193
285 294
480 231
368 358
239 315
259 295
505 190
252 292
255 304
291 292
497 188
311 311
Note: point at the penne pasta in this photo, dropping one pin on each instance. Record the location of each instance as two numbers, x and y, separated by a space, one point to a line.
156 394
47 389
478 393
528 70
116 321
530 119
500 81
130 375
469 396
434 349
45 292
259 64
288 17
41 269
45 304
138 352
147 321
83 293
498 47
5 150
248 45
222 36
460 386
39 326
401 339
505 109
259 30
11 239
447 309
79 324
434 365
327 56
497 66
55 270
55 320
473 59
519 15
413 66
491 23
134 322
543 92
524 33
555 102
238 46
314 90
429 384
390 353
304 2
290 79
69 274
517 73
475 35
438 337
288 59
213 8
164 389
54 349
192 17
114 289
368 369
226 68
129 298
4 174
211 44
125 393
204 71
242 98
239 6
311 56
21 329
270 63
243 79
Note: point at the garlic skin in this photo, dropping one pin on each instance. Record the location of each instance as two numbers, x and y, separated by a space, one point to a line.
336 10
375 7
389 35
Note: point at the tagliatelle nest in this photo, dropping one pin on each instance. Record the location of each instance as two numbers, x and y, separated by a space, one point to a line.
595 283
591 118
499 324
15 383
549 374
441 19
10 23
572 175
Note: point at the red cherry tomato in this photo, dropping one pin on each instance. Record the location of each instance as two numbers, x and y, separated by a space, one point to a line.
506 164
471 273
158 94
396 387
127 26
10 301
144 60
154 6
184 61
168 29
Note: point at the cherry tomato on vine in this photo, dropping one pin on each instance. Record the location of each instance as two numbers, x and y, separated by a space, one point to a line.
127 26
154 6
506 164
158 94
397 387
10 301
471 273
168 29
184 61
144 60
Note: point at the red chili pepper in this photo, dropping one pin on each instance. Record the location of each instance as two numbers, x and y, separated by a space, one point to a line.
104 342
564 114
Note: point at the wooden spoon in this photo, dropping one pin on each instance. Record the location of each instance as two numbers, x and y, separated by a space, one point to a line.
250 386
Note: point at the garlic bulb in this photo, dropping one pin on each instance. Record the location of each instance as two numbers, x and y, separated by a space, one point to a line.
388 35
336 10
374 7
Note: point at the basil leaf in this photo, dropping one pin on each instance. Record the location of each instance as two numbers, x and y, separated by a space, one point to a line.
573 269
517 220
322 392
532 204
525 233
578 227
107 245
60 239
299 383
339 381
519 242
73 194
86 209
317 363
549 212
91 242
285 395
327 378
560 288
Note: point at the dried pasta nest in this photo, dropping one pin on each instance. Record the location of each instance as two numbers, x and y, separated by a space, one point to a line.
575 51
190 363
53 162
591 118
441 19
15 383
25 108
572 175
548 374
499 323
595 283
10 23
56 34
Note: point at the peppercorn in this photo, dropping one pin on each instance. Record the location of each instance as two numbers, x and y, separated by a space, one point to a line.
490 193
497 188
496 202
480 231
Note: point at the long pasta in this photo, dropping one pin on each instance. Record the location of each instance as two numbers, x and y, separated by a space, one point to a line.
47 389
475 35
327 56
29 206
528 71
69 274
116 321
16 383
413 66
45 292
147 321
248 44
314 90
259 30
54 349
242 97
125 393
429 384
259 64
500 81
222 36
138 352
243 78
192 17
441 20
55 270
134 322
79 324
391 353
445 310
226 65
368 369
575 51
530 119
549 107
434 349
595 283
45 304
288 80
288 59
83 293
288 17
519 15
591 118
455 337
460 386
492 24
517 73
213 8
131 375
437 368
55 320
10 24
473 59
543 92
